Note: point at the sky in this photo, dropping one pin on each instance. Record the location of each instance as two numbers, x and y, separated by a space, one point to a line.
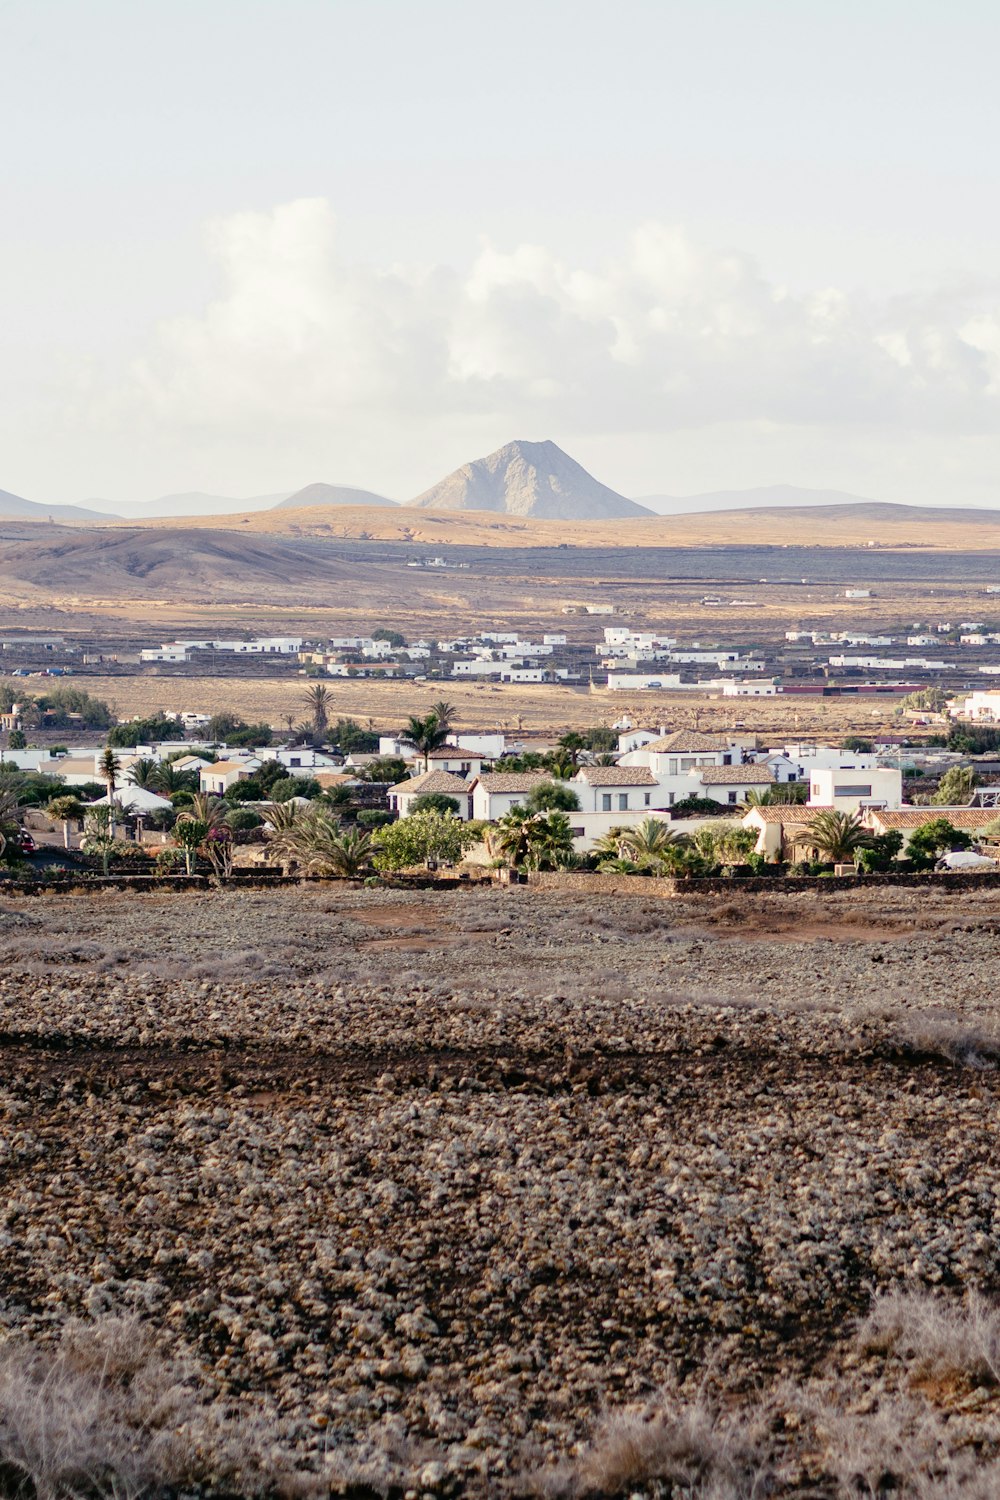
250 244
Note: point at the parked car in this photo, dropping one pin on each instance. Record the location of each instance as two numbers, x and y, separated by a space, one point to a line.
25 842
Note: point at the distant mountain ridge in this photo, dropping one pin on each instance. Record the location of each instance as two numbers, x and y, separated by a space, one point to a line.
332 494
15 507
529 479
764 496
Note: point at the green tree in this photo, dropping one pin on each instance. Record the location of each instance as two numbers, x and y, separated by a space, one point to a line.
602 740
99 834
190 833
16 740
10 822
392 636
243 819
134 732
858 744
66 810
955 787
838 836
552 796
932 700
350 738
444 712
422 836
169 779
781 794
881 853
434 802
388 769
316 843
295 786
109 767
932 838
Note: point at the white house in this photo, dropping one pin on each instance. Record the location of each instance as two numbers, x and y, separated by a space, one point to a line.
453 759
135 800
616 789
31 760
851 790
494 793
729 785
403 795
218 777
982 707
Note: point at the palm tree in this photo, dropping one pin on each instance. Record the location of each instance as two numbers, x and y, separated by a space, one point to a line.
169 779
837 836
444 713
572 743
533 841
424 735
316 842
144 772
65 810
651 839
109 766
317 700
205 809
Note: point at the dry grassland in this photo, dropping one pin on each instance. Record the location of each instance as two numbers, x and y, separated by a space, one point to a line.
541 709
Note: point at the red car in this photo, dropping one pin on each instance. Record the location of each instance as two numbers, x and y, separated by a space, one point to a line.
25 842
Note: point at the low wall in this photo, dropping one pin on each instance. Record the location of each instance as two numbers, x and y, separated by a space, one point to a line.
667 886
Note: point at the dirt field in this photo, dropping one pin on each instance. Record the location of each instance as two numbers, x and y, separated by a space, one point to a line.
501 1192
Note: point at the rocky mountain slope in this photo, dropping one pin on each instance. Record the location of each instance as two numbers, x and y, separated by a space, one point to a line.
529 479
15 507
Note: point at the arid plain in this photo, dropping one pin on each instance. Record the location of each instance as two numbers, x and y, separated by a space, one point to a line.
415 1193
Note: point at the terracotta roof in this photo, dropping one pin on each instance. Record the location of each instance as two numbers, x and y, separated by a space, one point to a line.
687 742
433 781
617 776
511 781
453 752
333 778
786 812
966 818
753 775
224 767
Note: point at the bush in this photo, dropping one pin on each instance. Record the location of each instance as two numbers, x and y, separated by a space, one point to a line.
242 819
697 807
144 732
374 817
295 786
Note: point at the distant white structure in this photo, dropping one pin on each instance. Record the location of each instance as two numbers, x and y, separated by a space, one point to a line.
982 707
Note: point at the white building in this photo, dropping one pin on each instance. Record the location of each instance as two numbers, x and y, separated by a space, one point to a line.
980 707
218 777
851 790
494 793
616 789
405 793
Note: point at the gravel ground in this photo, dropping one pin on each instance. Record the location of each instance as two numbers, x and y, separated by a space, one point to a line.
417 1188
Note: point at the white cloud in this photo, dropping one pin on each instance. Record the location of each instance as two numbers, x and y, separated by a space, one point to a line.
669 336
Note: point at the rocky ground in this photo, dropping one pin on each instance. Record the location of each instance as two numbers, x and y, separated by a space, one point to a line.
500 1191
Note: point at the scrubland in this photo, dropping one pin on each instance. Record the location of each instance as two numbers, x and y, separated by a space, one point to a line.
500 1192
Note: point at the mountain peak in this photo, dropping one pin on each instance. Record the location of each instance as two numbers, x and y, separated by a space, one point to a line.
528 479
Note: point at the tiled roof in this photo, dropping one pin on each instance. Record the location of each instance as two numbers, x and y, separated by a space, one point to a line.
223 767
333 778
786 812
433 781
617 776
511 781
687 742
966 818
452 752
752 775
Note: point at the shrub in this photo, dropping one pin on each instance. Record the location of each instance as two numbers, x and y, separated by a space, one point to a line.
374 817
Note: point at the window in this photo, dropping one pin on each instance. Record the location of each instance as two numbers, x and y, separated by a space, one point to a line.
670 799
848 790
605 802
646 799
622 801
733 796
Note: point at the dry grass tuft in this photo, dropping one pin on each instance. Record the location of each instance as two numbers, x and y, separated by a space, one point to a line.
936 1336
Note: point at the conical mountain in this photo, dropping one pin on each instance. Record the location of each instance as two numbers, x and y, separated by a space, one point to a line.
331 494
529 479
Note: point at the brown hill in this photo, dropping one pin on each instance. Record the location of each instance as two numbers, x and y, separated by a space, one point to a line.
809 526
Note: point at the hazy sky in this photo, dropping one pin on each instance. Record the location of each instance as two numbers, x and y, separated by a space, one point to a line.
248 244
